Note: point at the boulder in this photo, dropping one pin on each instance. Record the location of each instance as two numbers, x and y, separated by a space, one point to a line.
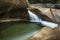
56 14
16 3
17 13
40 14
47 12
13 9
58 32
45 33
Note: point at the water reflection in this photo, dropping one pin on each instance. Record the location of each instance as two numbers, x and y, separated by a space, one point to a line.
18 30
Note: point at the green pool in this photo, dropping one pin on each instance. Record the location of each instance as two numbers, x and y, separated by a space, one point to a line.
18 30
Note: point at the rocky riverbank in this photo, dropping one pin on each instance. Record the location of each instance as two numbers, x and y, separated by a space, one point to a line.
46 33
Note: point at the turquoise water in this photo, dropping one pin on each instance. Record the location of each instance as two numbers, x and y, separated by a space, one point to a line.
18 30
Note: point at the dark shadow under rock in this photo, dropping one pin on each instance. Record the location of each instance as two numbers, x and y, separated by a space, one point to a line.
16 13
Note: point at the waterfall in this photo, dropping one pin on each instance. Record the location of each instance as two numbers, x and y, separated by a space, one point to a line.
35 18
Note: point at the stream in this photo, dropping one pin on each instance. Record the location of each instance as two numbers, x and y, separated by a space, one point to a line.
18 30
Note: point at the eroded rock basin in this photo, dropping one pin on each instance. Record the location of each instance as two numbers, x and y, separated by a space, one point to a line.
18 30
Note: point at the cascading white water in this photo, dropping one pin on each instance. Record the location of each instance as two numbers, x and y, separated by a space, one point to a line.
35 18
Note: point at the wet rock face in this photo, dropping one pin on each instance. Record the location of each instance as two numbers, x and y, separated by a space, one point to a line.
16 3
16 13
21 13
13 9
58 31
55 12
45 33
40 14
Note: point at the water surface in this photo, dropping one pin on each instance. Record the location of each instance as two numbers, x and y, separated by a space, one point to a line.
18 30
